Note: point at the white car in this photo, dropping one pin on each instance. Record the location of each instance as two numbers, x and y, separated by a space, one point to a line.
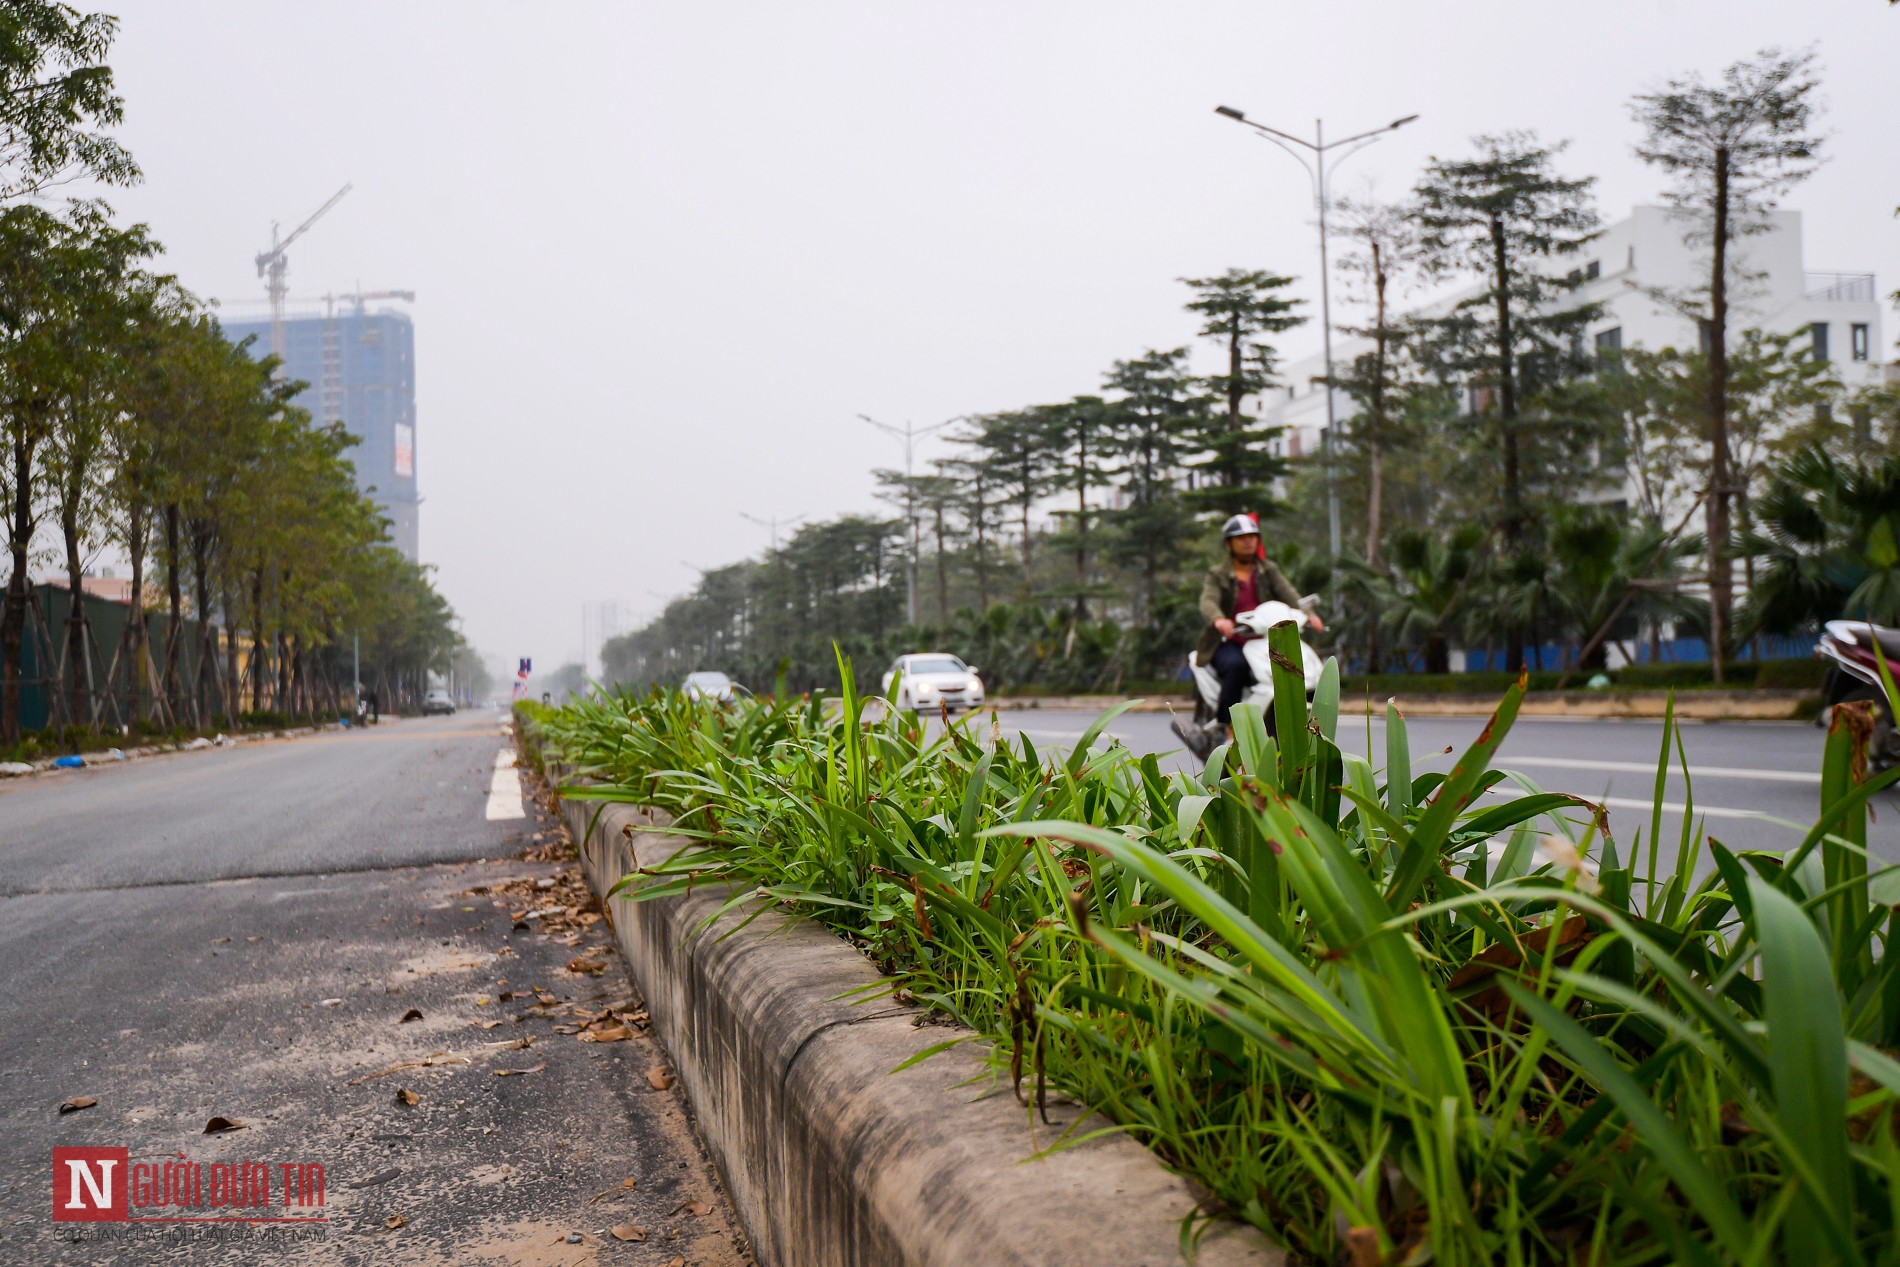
932 681
708 684
438 701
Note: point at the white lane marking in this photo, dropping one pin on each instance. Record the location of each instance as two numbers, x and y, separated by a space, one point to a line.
1629 802
504 790
1649 768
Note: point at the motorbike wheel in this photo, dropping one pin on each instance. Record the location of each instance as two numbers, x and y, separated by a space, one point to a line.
1883 746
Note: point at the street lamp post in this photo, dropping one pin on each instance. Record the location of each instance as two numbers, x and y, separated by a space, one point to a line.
771 524
910 434
1318 170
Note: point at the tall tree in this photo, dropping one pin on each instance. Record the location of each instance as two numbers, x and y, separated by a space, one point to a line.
1019 449
1505 217
1730 149
1239 309
1157 415
1079 428
1383 250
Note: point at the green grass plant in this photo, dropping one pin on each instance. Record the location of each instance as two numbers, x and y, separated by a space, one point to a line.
1388 1016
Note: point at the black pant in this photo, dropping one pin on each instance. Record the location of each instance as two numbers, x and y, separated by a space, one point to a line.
1230 664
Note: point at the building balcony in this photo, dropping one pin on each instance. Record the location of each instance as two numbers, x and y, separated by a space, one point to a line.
1840 288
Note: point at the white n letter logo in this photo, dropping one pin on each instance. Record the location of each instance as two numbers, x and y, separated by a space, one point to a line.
101 1191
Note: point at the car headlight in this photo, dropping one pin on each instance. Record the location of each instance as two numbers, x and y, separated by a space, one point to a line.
924 688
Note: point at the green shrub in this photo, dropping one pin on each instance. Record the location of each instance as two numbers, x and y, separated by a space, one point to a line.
1385 1015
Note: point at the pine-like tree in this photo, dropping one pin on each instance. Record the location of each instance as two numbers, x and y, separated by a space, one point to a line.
1731 149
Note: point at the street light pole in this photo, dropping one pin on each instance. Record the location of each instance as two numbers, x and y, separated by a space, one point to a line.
771 524
1318 171
910 434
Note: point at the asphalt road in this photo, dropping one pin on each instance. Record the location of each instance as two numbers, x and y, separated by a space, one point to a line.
1742 776
239 932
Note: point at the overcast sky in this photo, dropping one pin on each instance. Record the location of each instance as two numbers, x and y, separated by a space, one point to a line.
666 253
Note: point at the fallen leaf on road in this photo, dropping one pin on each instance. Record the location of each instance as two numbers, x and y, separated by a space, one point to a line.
513 1044
253 939
698 1209
394 1221
660 1078
331 1002
509 1073
614 1035
75 1103
482 1000
678 1260
628 1232
486 1024
626 1186
219 941
220 1124
405 1096
430 1061
413 1014
592 967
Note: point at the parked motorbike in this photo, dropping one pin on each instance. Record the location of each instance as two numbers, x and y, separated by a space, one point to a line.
1201 734
1851 648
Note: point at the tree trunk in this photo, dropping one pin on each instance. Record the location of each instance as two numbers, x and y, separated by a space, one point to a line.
135 634
260 657
1081 525
1375 433
175 605
943 574
1718 518
13 615
206 675
78 661
1507 419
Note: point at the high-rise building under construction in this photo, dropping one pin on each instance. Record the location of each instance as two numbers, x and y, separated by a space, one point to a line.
359 366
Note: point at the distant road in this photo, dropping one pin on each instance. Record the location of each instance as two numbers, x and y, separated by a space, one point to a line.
1741 774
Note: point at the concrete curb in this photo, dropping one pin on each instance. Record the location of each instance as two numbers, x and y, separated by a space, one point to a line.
1701 705
830 1157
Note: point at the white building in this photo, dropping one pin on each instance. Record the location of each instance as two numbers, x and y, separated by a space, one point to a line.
1622 270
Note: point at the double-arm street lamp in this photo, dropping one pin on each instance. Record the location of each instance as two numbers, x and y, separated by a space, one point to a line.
910 434
1319 169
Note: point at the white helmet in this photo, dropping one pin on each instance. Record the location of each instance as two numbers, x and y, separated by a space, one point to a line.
1240 526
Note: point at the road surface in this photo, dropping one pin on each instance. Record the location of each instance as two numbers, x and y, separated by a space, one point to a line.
1742 776
237 933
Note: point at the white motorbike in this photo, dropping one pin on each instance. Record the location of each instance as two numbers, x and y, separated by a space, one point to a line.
1203 732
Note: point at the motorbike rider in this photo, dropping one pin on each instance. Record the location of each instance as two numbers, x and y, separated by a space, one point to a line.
1239 583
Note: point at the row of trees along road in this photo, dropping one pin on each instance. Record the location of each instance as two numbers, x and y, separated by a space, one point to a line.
1517 486
132 425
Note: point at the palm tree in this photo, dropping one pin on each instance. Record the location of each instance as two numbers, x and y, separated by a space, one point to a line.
1420 594
1826 535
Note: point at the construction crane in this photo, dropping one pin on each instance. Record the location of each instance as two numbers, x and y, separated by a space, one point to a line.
361 297
272 265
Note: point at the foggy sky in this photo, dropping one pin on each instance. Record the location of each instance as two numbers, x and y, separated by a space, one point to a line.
666 253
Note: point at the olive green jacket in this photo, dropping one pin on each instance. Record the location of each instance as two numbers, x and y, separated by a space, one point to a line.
1218 592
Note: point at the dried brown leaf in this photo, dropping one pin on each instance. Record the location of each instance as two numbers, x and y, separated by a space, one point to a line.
72 1104
628 1232
394 1221
220 1124
618 1033
405 1096
510 1073
659 1078
413 1014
